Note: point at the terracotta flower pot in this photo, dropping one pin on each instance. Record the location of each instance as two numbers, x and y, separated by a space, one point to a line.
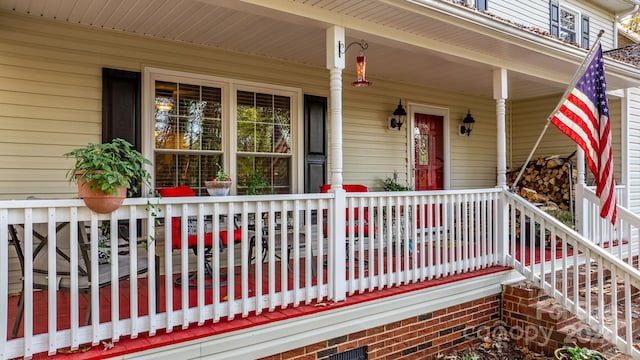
218 188
97 200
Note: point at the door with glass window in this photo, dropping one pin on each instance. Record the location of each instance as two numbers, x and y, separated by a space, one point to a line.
429 161
429 152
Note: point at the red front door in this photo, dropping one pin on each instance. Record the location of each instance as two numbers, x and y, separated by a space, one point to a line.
429 152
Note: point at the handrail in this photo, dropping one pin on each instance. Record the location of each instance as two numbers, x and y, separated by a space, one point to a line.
568 254
413 236
625 230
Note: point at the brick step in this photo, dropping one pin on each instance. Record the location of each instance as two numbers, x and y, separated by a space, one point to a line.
550 325
553 315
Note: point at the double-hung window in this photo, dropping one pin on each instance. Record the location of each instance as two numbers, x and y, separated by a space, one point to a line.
569 24
201 123
264 139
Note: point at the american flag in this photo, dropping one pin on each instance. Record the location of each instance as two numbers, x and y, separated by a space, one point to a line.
584 117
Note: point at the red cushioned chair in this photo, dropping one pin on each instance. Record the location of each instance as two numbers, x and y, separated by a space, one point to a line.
352 226
192 237
355 228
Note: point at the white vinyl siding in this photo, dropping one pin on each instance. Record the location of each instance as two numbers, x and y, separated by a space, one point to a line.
530 13
527 121
633 138
51 100
64 99
536 14
373 152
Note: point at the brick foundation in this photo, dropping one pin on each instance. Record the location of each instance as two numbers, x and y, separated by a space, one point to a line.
420 337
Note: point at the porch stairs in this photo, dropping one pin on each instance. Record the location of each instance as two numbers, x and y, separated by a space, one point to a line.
542 324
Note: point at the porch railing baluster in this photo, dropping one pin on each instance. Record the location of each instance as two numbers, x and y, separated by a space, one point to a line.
408 237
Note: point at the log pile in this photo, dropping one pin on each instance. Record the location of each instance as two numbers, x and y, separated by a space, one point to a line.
545 180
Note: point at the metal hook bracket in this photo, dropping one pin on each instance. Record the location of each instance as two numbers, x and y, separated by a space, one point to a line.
343 50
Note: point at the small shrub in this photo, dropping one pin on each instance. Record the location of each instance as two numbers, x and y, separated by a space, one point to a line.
392 184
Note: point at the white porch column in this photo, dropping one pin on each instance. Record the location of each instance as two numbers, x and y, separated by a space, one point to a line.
500 93
337 245
579 198
624 149
335 64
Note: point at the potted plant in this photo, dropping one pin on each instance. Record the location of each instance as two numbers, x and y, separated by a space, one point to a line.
392 184
220 184
105 172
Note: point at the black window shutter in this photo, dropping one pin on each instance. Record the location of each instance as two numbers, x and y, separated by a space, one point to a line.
315 143
121 106
584 29
554 18
482 4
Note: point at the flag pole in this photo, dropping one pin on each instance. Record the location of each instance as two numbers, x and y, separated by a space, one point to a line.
568 90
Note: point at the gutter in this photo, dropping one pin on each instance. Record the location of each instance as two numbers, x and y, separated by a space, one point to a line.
505 31
457 16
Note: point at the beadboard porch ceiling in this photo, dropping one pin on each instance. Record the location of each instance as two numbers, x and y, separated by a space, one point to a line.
430 43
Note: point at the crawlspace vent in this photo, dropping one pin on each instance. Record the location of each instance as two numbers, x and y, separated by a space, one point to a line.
353 354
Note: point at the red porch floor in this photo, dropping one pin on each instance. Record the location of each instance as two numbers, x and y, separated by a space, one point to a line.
162 338
143 342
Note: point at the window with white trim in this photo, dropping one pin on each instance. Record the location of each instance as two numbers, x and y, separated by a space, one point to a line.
569 25
478 4
245 128
264 139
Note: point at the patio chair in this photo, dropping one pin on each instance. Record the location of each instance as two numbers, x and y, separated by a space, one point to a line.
63 263
352 219
192 236
277 234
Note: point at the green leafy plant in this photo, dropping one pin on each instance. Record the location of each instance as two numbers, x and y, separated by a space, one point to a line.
257 184
109 166
565 217
392 184
472 356
577 353
221 175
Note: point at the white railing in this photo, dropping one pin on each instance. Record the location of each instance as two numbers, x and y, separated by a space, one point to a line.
255 286
418 236
602 232
583 275
407 237
289 252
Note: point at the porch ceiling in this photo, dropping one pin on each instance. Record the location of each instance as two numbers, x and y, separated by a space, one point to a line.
430 43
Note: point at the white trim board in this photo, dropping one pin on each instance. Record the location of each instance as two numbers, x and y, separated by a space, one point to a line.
293 333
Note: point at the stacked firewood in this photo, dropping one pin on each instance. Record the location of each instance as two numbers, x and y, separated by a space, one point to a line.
545 180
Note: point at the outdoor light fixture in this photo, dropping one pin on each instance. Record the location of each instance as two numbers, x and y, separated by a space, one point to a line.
164 104
399 117
467 124
361 61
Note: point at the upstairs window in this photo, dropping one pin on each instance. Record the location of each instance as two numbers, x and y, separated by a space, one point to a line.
478 4
568 24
